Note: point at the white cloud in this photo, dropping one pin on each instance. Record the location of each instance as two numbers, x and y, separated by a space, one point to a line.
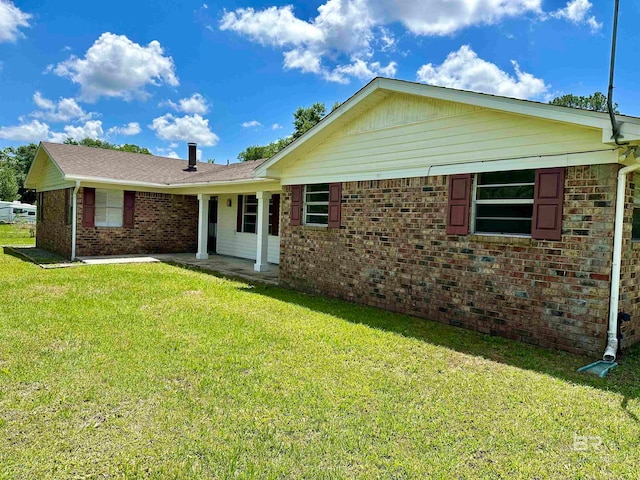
36 131
304 60
276 126
361 70
12 19
463 69
196 103
130 129
444 17
354 29
64 110
91 129
251 124
114 66
577 12
33 131
167 152
189 128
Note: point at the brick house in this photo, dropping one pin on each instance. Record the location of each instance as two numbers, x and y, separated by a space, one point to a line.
504 216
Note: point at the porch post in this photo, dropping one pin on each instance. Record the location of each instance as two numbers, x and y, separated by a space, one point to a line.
262 229
203 226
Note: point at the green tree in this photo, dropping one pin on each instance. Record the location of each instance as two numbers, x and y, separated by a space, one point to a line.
305 118
8 184
95 143
19 160
596 102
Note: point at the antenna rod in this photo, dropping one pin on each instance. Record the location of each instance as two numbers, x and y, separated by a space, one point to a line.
615 126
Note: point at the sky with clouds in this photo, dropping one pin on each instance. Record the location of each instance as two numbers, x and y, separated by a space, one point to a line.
229 74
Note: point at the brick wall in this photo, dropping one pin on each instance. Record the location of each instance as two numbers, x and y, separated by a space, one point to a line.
163 224
392 251
630 270
52 232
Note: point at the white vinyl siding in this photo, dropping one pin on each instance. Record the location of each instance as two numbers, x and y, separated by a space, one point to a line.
239 244
109 205
373 147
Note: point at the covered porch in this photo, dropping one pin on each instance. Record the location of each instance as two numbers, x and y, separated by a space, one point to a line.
243 225
225 265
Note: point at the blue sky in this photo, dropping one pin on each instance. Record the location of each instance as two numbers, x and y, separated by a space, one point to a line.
229 73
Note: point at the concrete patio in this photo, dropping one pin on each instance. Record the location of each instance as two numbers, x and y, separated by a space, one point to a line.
231 266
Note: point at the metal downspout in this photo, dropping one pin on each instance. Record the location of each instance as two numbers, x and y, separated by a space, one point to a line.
611 349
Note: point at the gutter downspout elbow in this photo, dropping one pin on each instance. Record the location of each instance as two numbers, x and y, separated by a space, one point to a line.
74 220
612 333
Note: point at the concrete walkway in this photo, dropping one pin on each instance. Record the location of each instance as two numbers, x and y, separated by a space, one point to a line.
231 266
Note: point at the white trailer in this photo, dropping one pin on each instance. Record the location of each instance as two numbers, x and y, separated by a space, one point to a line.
17 212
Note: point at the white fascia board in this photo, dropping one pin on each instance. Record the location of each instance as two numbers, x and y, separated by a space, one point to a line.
264 169
499 165
130 183
630 132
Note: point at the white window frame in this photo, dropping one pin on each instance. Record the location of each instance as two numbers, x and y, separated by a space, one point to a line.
110 207
305 204
500 201
245 203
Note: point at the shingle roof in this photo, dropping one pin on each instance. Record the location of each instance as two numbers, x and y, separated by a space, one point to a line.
80 161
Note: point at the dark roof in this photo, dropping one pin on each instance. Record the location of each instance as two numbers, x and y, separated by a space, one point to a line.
75 160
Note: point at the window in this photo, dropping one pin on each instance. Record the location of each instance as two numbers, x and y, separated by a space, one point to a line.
250 214
40 206
109 206
316 204
635 232
503 202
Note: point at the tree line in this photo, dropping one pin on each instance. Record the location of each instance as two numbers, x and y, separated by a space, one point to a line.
16 161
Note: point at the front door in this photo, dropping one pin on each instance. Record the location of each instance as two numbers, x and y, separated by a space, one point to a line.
213 224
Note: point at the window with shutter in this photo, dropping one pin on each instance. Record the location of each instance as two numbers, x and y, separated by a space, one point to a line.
274 215
296 205
458 206
316 204
109 206
88 207
129 209
248 214
503 202
335 205
547 204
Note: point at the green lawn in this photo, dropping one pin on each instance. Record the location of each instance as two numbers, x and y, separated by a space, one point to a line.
154 371
17 234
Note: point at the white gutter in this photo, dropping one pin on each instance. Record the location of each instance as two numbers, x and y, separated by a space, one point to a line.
133 183
612 334
74 220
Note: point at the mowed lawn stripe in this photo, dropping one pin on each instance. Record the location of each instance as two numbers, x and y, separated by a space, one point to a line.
152 370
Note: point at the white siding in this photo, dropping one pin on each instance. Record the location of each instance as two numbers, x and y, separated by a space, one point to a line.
243 245
50 177
404 134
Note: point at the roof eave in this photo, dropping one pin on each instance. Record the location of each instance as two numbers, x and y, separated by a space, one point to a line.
133 183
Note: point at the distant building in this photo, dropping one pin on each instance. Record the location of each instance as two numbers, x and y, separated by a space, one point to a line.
17 212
